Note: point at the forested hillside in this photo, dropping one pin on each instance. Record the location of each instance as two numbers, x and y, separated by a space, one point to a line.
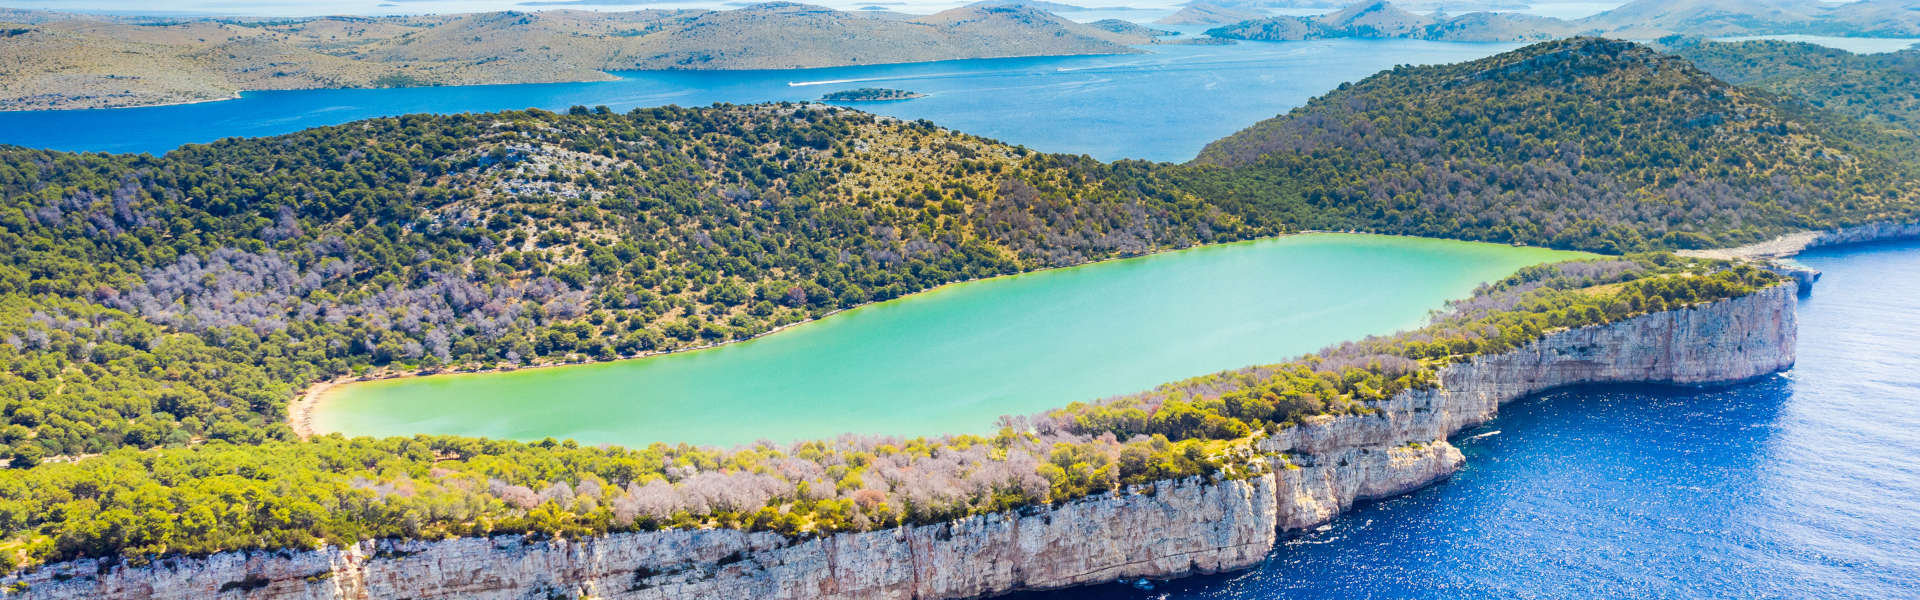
1882 89
164 310
1583 143
160 300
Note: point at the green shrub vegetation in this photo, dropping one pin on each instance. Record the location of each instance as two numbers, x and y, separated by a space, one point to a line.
157 314
1583 143
152 301
1878 88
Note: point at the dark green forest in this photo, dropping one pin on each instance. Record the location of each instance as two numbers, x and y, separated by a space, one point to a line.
1588 144
1880 89
159 313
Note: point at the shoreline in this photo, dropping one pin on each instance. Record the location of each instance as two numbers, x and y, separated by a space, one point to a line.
302 409
1792 244
609 75
234 96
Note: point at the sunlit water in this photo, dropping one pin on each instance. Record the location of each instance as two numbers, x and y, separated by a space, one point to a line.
954 359
1805 485
1163 105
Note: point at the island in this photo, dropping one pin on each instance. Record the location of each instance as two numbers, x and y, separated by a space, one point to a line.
870 94
1639 19
60 60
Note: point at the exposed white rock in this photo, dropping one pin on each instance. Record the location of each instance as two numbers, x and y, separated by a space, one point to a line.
1171 529
1791 244
1347 458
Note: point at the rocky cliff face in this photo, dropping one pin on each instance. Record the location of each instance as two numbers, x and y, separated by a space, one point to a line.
1171 529
1331 462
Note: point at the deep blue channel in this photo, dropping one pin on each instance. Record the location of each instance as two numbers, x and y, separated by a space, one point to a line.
1162 105
1804 485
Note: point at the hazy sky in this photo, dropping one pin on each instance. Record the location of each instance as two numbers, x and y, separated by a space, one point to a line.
381 7
1560 8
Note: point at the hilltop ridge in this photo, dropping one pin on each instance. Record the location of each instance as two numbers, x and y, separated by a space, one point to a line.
1585 142
1638 19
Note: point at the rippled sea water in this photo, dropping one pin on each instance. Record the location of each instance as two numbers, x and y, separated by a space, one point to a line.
1162 105
1804 485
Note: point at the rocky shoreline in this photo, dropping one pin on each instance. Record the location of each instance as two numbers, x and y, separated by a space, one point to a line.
1775 252
1792 244
1305 476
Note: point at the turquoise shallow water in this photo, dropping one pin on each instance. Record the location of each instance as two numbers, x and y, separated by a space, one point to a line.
1163 105
955 359
1805 485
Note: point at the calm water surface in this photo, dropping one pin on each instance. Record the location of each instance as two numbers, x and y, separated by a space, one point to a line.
1800 486
954 359
1163 105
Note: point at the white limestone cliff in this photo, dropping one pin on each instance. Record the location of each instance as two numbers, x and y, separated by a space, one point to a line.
1170 529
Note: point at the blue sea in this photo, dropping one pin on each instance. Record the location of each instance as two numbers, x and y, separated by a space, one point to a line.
1803 485
1162 105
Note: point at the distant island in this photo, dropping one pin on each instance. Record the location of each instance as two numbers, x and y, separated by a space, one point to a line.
1201 13
870 94
63 60
1639 19
59 60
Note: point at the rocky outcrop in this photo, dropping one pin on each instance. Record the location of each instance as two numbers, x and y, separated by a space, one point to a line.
1774 252
1330 462
1791 244
1874 232
1312 472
